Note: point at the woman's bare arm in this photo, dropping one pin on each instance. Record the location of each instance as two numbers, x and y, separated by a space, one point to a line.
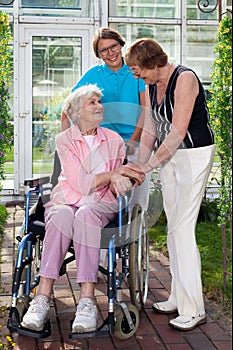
186 91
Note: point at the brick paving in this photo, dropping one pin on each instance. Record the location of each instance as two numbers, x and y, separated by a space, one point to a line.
153 331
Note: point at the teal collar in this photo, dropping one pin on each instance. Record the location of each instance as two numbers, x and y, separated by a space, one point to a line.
124 70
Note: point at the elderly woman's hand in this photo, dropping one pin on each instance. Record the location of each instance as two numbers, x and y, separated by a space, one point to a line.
137 176
120 184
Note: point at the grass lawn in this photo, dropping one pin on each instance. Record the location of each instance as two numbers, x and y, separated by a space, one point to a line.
209 240
42 163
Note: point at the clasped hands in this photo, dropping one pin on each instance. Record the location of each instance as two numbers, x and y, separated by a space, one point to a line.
125 178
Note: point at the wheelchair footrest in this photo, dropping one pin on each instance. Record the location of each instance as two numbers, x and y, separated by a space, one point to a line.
101 331
13 325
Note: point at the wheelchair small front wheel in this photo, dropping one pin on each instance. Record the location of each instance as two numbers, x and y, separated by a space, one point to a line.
122 329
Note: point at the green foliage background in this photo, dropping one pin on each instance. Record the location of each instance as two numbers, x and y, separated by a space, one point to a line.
220 106
6 129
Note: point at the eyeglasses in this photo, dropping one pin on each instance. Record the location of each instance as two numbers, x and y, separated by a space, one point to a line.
136 71
114 48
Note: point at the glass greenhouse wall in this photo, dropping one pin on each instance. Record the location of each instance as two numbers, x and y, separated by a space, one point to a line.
52 48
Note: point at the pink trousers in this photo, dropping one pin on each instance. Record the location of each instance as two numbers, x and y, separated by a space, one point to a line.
83 226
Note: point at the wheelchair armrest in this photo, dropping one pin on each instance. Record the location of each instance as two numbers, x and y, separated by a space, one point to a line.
37 181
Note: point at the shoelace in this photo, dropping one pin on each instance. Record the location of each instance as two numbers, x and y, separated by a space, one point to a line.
84 309
38 306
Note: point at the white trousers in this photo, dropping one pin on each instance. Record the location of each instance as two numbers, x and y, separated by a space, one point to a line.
184 179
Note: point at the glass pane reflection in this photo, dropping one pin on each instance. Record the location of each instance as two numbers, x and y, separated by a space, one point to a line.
56 65
168 36
64 8
73 4
193 12
200 47
145 8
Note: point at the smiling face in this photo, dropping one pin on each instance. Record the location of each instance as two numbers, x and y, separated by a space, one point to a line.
150 76
110 52
91 113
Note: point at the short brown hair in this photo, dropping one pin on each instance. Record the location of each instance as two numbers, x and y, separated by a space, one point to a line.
106 33
145 53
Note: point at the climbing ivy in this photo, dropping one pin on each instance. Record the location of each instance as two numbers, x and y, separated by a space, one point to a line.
220 106
6 129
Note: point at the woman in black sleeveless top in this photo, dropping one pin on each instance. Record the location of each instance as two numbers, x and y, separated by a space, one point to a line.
178 124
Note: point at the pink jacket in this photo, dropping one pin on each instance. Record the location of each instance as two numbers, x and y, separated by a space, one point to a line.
76 178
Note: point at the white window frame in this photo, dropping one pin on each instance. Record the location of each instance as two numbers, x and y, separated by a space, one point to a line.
23 89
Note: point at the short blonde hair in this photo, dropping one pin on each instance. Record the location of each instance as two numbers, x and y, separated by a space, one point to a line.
73 103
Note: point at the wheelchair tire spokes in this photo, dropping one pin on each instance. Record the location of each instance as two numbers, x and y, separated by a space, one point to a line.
25 279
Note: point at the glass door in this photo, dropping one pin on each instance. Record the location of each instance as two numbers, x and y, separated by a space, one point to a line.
56 66
52 61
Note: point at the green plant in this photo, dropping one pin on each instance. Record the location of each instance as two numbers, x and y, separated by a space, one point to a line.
208 236
208 211
220 107
6 341
6 133
3 218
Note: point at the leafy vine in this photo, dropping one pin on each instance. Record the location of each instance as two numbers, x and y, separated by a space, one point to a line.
6 129
220 106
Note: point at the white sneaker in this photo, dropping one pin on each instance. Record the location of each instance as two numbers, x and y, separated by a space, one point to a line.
187 323
37 314
164 307
86 317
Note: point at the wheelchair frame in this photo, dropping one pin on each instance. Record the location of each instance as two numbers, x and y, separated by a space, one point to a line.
128 240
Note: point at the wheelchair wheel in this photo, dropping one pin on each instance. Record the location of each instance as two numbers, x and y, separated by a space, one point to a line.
35 266
122 330
29 278
138 258
26 275
25 282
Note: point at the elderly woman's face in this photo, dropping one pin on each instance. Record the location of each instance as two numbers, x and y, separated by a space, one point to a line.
91 111
148 75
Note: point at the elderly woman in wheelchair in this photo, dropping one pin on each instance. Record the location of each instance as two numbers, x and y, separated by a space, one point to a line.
82 203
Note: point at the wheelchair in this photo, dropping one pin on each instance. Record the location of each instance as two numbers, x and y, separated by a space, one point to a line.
127 244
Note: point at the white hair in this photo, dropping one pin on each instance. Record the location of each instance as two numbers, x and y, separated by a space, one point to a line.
73 103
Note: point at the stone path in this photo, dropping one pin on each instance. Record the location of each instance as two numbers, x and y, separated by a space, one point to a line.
153 332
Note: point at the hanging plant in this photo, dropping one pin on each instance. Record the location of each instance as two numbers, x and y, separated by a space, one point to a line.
6 129
220 106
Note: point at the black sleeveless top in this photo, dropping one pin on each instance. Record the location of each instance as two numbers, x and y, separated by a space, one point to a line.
199 133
